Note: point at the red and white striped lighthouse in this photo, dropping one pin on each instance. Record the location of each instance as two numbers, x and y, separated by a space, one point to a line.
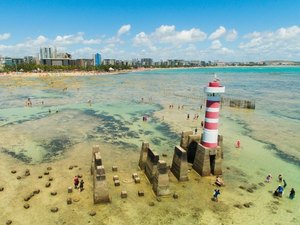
210 133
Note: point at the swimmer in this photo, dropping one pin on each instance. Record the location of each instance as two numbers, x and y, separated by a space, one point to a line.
292 193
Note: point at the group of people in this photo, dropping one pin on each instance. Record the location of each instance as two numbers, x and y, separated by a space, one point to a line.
280 189
78 184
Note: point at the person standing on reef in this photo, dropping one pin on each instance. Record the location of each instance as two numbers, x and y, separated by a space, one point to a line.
292 193
76 182
216 194
188 116
81 185
268 178
238 144
196 130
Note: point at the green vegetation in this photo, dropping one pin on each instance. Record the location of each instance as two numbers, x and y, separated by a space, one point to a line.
45 68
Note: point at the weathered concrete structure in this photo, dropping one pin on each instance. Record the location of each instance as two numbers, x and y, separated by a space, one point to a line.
151 164
143 155
100 188
179 164
155 170
205 160
160 183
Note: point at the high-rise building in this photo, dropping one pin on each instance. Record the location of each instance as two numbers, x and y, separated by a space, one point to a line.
97 59
47 53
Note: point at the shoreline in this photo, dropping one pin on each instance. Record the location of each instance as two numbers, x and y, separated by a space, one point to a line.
118 72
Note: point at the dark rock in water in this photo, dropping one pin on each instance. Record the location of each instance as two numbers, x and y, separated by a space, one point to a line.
26 205
79 175
19 178
151 204
37 191
50 179
27 198
8 222
1 188
76 200
27 172
49 168
53 193
289 211
70 167
175 196
250 190
54 209
158 199
46 173
92 213
40 176
48 184
164 155
69 201
247 205
239 206
242 187
13 171
261 184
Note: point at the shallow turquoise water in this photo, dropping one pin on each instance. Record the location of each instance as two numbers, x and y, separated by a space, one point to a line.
115 115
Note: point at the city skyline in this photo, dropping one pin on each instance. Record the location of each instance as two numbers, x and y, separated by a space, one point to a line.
206 30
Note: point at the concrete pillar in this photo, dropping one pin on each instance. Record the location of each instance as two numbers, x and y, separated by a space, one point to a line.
184 142
179 164
143 155
160 183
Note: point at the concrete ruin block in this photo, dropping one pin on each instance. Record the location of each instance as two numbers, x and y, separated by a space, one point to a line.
96 148
151 164
207 161
100 177
137 180
100 193
70 189
117 183
179 164
161 183
143 155
141 193
185 138
195 138
98 159
100 170
114 168
115 177
134 175
123 194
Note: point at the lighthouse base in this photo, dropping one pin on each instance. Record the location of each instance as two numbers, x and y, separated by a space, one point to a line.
208 160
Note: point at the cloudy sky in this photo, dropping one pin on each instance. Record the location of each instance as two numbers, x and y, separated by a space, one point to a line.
225 30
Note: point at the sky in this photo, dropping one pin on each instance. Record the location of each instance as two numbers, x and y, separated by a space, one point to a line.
224 30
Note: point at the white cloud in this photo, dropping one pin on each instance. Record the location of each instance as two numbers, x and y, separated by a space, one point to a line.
231 35
216 44
218 33
74 39
124 29
4 36
166 34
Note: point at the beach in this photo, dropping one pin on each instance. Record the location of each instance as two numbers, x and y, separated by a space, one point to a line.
72 113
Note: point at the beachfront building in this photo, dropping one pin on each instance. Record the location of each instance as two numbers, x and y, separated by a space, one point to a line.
84 62
147 62
47 53
110 62
97 59
29 60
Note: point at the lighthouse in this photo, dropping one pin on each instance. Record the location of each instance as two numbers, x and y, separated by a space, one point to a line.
211 122
208 154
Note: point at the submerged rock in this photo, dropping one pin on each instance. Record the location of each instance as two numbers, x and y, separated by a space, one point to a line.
26 205
92 213
8 222
54 209
151 204
1 188
13 171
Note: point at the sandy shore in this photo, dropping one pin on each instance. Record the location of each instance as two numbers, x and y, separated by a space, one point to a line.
70 73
